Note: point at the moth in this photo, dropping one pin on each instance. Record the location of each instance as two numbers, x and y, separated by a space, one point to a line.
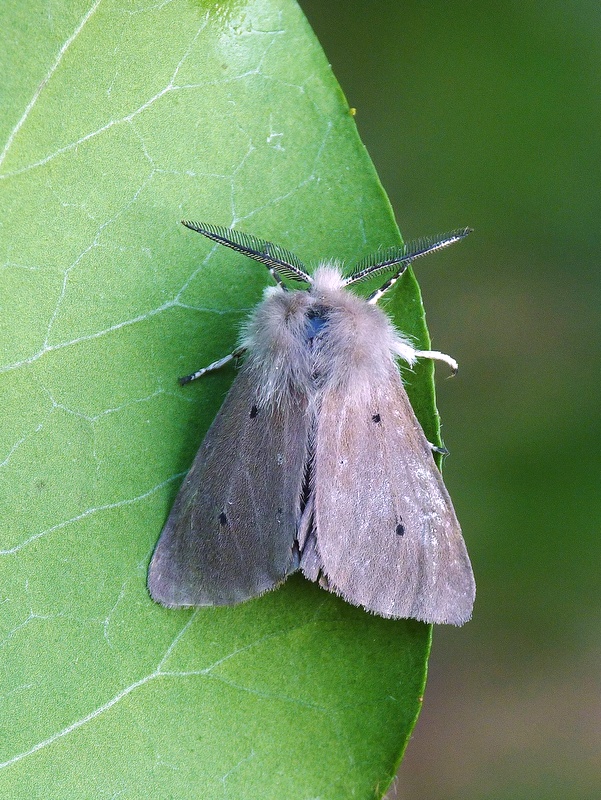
316 461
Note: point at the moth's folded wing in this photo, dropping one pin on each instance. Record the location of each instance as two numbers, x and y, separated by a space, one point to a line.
231 531
385 528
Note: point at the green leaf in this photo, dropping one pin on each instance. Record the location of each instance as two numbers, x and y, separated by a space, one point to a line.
119 119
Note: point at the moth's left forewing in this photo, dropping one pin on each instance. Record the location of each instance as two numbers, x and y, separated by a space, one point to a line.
230 534
386 532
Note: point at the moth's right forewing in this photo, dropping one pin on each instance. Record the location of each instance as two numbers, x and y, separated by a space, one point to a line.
386 532
231 531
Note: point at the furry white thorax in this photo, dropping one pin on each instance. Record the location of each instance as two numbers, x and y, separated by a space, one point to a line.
353 348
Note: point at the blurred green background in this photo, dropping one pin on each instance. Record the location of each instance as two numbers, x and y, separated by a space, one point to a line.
488 115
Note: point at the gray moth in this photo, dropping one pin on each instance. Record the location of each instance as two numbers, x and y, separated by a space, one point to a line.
316 460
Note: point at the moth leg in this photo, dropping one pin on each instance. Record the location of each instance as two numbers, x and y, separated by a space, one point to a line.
437 356
239 351
440 450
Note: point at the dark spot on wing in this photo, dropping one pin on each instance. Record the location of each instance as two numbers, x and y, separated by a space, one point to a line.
222 518
377 418
253 412
400 529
